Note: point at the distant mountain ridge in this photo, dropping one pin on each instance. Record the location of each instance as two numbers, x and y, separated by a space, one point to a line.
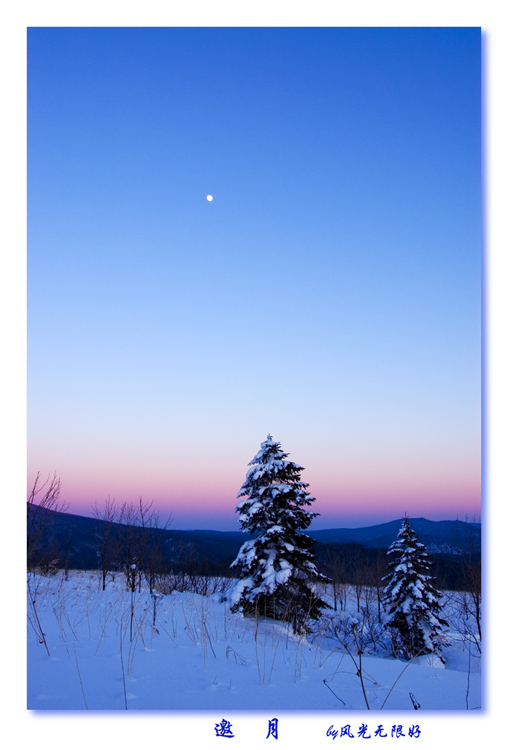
76 538
445 537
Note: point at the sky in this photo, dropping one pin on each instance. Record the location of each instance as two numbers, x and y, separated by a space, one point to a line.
329 294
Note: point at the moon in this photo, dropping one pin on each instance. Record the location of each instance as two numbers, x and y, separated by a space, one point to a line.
209 197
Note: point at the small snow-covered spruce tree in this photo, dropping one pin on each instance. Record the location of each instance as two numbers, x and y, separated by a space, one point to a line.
277 571
411 600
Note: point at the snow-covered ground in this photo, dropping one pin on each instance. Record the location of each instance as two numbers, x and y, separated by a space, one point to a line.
184 651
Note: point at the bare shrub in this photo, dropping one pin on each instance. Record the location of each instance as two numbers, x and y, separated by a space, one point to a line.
42 503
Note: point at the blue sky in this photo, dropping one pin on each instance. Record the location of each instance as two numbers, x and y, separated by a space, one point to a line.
330 294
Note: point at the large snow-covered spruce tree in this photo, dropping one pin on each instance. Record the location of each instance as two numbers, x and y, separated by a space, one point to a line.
413 603
277 572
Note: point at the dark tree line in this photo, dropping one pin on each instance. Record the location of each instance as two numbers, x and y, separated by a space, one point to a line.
355 565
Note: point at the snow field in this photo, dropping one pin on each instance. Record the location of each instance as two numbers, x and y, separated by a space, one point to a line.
111 650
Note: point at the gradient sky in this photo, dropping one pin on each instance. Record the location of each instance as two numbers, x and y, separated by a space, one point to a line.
330 294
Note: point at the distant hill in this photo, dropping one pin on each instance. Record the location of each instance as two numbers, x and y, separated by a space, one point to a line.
73 541
444 537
